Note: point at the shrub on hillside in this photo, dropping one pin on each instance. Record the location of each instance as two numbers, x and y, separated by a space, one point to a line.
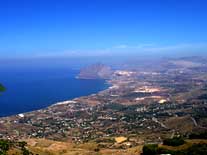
202 135
176 141
197 149
6 145
150 149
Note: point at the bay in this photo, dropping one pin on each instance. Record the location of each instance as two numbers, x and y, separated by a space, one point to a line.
30 89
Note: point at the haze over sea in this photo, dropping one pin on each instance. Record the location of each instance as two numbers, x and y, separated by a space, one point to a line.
34 88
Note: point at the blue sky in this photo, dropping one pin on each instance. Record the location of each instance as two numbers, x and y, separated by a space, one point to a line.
52 28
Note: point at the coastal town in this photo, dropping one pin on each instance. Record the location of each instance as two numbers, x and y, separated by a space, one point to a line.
139 107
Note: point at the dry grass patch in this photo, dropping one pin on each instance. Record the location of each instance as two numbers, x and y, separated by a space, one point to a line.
120 139
184 124
49 147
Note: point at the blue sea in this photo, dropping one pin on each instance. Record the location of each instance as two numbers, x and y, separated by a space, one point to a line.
30 89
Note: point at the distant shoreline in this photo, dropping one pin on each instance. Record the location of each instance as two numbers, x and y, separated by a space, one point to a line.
63 102
70 88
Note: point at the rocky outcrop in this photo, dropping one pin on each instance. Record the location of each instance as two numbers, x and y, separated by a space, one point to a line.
95 71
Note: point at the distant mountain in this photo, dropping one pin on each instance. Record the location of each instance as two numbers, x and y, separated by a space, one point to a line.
95 71
160 64
188 62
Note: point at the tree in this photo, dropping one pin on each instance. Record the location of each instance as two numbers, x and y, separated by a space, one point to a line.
4 147
150 149
176 141
2 88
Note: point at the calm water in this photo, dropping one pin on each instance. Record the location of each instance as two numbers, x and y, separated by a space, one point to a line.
32 89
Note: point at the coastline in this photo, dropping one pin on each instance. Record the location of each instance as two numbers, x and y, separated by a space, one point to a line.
107 86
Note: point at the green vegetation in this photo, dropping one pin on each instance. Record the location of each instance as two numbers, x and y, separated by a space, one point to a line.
2 88
199 113
202 135
150 149
176 141
197 149
6 145
186 149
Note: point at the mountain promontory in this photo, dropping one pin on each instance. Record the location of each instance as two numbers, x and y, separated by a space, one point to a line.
95 71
